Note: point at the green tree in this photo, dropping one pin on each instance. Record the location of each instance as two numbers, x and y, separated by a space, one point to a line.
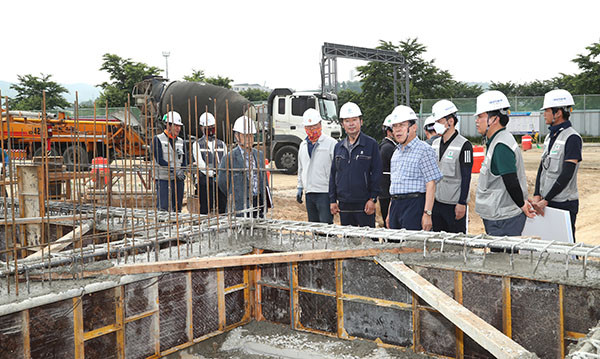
30 89
426 81
588 81
255 94
124 74
198 76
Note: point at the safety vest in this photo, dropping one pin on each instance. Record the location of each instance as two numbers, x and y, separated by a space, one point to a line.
173 157
553 160
207 150
447 189
492 201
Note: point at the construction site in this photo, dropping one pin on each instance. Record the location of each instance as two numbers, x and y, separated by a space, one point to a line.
89 268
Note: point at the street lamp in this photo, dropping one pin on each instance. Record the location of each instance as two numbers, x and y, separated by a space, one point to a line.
166 54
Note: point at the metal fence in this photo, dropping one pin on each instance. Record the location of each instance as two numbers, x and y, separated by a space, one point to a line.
585 116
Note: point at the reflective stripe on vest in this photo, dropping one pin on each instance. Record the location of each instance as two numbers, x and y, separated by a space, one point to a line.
552 165
447 190
492 201
173 157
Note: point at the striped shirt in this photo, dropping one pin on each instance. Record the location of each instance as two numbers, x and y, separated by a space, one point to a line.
412 167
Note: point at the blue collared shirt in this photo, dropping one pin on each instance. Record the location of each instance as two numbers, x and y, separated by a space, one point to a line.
412 167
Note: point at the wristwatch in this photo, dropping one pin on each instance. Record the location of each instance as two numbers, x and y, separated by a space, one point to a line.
427 212
374 199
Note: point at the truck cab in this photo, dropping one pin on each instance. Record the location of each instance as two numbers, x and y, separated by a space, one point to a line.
285 110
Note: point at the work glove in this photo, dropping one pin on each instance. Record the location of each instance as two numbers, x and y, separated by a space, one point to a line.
299 195
180 175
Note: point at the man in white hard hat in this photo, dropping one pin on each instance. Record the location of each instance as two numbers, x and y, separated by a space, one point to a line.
208 152
171 161
556 181
455 159
430 134
414 173
355 172
243 170
501 198
315 156
387 146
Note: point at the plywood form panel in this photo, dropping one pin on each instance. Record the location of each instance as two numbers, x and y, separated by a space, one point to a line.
318 275
173 310
11 335
391 325
98 309
205 314
318 312
139 339
51 331
275 304
103 347
367 278
437 334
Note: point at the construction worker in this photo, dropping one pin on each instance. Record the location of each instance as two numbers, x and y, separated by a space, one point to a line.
171 160
414 173
455 160
556 181
208 152
314 166
355 172
243 171
501 198
430 134
386 150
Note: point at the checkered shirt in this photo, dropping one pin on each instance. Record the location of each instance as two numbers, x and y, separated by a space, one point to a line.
412 167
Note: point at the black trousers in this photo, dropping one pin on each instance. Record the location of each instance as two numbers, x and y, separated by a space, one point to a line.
444 219
208 203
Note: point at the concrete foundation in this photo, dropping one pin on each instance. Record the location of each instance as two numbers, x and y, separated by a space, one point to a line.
152 315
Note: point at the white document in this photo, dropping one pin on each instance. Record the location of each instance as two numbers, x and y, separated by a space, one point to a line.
555 225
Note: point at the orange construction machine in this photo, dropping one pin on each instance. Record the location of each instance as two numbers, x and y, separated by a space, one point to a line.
75 139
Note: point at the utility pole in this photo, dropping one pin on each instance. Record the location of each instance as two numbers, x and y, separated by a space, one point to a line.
166 54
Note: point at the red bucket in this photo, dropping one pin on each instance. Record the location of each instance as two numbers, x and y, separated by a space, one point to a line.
478 156
526 142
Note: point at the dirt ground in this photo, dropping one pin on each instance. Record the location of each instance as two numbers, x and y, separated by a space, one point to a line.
587 225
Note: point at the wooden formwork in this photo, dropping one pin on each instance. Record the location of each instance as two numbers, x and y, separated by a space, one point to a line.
356 298
148 318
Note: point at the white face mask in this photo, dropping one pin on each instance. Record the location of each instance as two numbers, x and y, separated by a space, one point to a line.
439 128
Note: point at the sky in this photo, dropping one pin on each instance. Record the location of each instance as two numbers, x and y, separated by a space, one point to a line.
278 43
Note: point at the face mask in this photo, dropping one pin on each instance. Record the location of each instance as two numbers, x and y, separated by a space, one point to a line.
439 128
313 135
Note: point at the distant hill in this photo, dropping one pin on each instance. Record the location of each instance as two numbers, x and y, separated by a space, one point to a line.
86 91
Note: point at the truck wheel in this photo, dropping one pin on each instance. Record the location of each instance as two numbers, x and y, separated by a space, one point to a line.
51 153
286 159
74 152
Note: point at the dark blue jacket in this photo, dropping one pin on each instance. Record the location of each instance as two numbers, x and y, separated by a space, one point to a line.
355 176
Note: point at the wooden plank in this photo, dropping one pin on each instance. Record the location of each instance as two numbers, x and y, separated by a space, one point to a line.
120 320
64 241
561 304
240 261
506 310
78 327
339 292
479 330
26 339
458 287
221 298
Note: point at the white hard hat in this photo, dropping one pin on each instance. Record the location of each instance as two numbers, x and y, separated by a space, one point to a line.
443 108
491 101
349 110
388 120
207 119
402 114
557 98
311 117
428 121
173 118
244 125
